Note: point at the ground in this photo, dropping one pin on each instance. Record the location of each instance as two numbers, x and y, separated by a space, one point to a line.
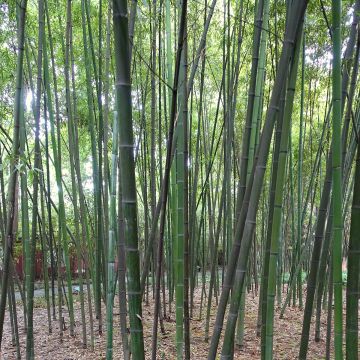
47 346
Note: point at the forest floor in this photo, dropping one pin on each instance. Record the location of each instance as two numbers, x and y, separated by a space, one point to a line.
47 346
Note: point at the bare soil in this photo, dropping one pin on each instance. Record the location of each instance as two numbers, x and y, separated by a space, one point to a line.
47 346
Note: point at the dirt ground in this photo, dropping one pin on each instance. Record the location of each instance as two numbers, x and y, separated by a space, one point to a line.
47 346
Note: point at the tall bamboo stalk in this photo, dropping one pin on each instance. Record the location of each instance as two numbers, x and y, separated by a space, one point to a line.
337 174
11 211
37 166
278 201
245 224
127 173
112 242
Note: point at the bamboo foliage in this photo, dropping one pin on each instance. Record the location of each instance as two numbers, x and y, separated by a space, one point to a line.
178 162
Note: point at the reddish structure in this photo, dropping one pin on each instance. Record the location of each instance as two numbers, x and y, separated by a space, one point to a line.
39 274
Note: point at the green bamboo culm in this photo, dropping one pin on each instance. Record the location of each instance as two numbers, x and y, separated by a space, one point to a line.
299 176
63 237
24 202
30 255
72 153
278 202
173 188
11 195
246 222
352 289
95 163
336 175
112 242
247 157
179 261
260 79
127 173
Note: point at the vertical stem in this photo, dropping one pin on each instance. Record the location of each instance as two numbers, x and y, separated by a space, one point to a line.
336 176
127 173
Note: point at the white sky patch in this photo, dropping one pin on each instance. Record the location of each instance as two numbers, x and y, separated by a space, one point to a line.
325 60
136 100
350 15
189 162
5 14
88 183
28 100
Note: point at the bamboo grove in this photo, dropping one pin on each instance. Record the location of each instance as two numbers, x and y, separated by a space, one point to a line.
195 158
